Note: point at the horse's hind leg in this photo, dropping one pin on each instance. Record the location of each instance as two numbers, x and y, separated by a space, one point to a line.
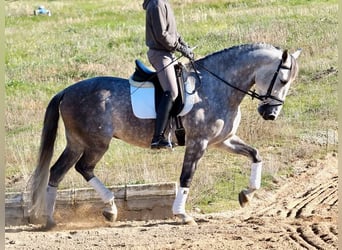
66 160
238 146
85 166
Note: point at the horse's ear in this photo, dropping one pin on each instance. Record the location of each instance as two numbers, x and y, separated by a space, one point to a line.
297 54
285 55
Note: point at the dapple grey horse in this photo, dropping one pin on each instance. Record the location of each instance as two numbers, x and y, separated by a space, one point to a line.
97 109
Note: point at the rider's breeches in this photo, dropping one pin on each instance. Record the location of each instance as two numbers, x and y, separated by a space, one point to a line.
164 62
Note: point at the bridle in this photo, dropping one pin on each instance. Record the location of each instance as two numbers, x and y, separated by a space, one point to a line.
251 93
270 87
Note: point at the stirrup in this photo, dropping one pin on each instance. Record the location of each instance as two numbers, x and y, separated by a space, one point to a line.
161 143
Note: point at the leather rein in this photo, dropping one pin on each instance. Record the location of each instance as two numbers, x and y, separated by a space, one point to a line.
251 93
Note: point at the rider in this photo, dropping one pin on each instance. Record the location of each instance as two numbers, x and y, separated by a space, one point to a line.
163 40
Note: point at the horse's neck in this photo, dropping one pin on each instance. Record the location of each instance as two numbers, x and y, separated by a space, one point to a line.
216 92
226 72
233 68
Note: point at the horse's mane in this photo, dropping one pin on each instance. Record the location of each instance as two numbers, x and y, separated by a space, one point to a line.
244 48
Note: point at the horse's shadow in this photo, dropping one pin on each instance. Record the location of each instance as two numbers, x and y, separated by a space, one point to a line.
26 229
119 224
174 223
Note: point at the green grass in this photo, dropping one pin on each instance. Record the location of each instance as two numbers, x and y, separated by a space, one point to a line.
88 38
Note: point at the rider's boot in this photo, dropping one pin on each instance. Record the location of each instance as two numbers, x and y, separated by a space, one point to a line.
163 114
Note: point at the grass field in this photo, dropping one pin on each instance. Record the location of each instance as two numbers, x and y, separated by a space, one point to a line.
89 38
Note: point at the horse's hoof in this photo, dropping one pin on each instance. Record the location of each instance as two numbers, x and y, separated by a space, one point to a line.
109 216
245 196
50 224
186 219
243 200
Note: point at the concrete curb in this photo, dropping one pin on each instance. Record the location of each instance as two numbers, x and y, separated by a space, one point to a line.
134 202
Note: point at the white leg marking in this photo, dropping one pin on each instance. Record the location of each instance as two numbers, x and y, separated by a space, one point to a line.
179 203
109 211
255 178
51 194
105 194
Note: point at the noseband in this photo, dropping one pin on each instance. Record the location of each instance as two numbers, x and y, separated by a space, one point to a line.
251 93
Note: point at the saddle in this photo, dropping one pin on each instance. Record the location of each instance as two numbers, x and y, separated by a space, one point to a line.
144 74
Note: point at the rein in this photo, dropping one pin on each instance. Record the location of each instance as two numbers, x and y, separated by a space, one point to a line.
251 93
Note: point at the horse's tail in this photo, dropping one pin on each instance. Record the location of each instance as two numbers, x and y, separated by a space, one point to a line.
39 178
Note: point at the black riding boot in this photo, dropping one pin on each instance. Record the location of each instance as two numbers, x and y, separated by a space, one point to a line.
163 114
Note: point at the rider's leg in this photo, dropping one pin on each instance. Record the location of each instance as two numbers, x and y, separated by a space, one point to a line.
163 114
163 62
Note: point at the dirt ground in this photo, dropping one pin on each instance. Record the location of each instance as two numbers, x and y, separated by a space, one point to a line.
300 214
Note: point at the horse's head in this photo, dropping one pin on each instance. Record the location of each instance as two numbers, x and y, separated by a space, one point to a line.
273 82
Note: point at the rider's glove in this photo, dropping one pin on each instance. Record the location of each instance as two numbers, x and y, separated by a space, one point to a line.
182 42
186 51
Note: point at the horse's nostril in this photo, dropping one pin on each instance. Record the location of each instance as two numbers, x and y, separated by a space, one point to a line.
271 117
268 117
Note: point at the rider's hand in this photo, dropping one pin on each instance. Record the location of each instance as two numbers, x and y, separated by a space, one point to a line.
182 42
186 51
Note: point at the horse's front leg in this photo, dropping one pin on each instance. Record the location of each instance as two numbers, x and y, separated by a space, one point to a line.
193 153
235 145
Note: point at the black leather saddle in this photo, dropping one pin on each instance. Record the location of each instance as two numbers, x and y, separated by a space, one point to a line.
142 74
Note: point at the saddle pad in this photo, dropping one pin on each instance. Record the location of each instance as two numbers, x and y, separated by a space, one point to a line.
143 103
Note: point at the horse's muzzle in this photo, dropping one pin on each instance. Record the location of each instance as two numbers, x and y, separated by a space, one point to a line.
269 112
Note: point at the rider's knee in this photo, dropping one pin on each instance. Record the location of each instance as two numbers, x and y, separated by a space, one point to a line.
172 93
